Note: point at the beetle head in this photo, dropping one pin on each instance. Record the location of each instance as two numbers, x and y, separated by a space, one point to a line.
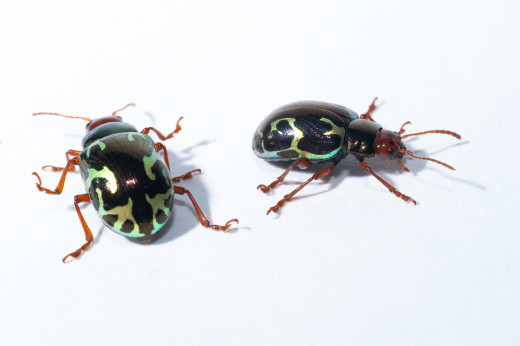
92 124
389 145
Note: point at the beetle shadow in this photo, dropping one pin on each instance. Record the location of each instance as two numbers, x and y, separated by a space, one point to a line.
151 117
184 217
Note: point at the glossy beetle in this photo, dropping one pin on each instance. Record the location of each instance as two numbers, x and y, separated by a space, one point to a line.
126 179
310 132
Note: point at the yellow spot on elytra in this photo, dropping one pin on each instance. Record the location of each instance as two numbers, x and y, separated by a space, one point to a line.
105 173
149 161
102 146
298 135
123 213
158 203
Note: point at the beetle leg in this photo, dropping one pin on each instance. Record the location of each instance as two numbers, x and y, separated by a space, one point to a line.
186 176
146 130
203 220
370 110
392 189
88 234
68 155
59 188
302 163
323 173
160 146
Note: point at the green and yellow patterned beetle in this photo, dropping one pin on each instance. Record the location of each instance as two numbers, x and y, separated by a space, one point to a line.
126 179
310 132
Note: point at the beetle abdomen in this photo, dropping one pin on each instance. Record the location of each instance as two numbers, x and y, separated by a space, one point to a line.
310 130
128 183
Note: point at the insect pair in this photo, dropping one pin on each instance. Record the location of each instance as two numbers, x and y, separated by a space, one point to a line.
130 186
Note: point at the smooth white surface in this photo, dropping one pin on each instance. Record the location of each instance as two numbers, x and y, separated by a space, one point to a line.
347 263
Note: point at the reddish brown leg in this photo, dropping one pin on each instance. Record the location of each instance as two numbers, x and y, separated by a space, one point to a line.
146 130
302 163
203 220
88 234
370 110
186 176
160 146
323 173
68 155
392 189
59 188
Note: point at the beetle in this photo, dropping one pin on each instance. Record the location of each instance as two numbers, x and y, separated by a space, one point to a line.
312 132
125 178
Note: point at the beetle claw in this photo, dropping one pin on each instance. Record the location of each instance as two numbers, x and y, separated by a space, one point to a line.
78 252
224 228
229 223
263 188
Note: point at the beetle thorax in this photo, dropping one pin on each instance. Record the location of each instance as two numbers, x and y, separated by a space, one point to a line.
361 135
106 129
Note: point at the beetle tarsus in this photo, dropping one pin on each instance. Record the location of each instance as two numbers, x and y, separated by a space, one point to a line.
280 204
162 137
370 110
202 218
78 252
265 189
224 228
186 176
390 188
88 234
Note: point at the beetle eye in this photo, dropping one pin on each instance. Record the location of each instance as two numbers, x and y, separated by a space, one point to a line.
88 124
391 152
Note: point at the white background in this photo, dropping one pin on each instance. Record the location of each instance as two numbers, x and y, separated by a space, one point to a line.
347 262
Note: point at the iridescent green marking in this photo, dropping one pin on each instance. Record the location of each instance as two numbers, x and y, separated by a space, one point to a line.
167 177
102 146
298 135
105 173
149 161
130 137
123 213
157 203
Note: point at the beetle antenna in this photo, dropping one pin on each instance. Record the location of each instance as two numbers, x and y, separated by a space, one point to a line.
62 115
402 165
444 132
426 158
128 105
